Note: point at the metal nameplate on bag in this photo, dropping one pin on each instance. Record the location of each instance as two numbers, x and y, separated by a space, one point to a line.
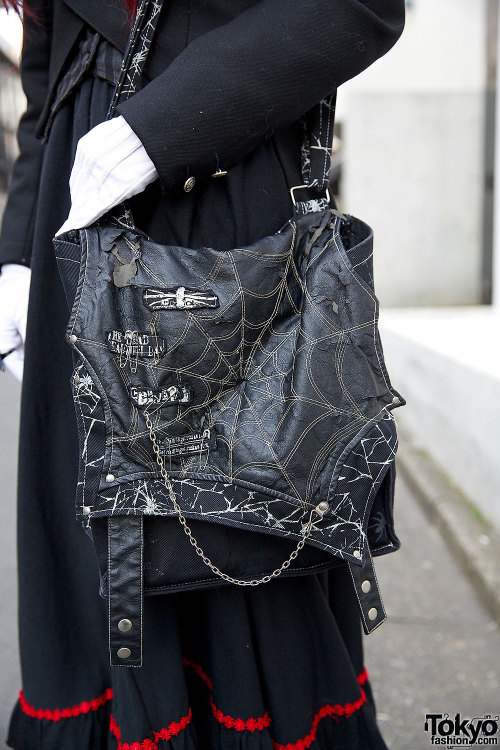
172 394
186 445
135 344
179 298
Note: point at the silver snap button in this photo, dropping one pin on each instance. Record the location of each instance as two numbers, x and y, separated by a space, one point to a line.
124 625
323 506
372 613
73 339
110 478
365 587
395 400
189 184
357 553
123 653
86 510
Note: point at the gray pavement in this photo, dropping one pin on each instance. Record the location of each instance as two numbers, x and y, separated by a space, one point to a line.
10 680
439 651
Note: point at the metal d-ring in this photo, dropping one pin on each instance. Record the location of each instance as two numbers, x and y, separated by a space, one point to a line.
306 187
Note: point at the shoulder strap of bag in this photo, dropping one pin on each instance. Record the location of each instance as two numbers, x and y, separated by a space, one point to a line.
318 122
136 52
319 125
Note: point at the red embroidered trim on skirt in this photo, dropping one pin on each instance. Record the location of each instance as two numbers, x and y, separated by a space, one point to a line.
64 713
241 725
362 677
334 711
199 671
172 730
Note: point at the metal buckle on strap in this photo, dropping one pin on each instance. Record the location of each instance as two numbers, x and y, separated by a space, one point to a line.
307 187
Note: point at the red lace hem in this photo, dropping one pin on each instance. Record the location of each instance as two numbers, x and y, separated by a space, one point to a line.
362 677
251 724
334 711
241 725
172 730
64 713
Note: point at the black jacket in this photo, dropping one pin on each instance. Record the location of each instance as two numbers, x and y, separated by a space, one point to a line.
223 76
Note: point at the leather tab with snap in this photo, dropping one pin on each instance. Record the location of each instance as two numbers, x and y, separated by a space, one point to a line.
368 593
125 590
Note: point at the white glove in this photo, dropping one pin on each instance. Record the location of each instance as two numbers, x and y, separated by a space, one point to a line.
111 165
14 293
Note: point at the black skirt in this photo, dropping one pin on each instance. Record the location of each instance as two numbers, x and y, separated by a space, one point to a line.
273 667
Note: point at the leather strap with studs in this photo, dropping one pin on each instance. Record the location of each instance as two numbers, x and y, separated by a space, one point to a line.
125 590
368 593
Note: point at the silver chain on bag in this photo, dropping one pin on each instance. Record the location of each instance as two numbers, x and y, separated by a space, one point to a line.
320 509
135 55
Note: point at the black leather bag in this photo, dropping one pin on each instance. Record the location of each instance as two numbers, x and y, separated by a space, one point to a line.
234 408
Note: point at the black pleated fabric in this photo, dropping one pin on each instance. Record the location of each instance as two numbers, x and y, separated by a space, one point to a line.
275 667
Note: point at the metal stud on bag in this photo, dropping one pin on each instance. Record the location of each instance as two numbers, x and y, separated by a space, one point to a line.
320 510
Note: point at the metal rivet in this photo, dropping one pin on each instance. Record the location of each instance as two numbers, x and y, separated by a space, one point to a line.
365 587
395 400
189 184
123 653
110 478
73 339
86 510
372 613
124 625
323 506
357 553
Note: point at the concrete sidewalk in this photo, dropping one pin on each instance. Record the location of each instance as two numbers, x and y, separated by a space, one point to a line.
10 680
439 651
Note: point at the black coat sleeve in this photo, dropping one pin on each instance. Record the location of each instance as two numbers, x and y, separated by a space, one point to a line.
17 227
236 85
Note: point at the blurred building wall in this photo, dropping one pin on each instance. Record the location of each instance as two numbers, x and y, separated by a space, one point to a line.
496 171
413 130
12 102
12 99
422 166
